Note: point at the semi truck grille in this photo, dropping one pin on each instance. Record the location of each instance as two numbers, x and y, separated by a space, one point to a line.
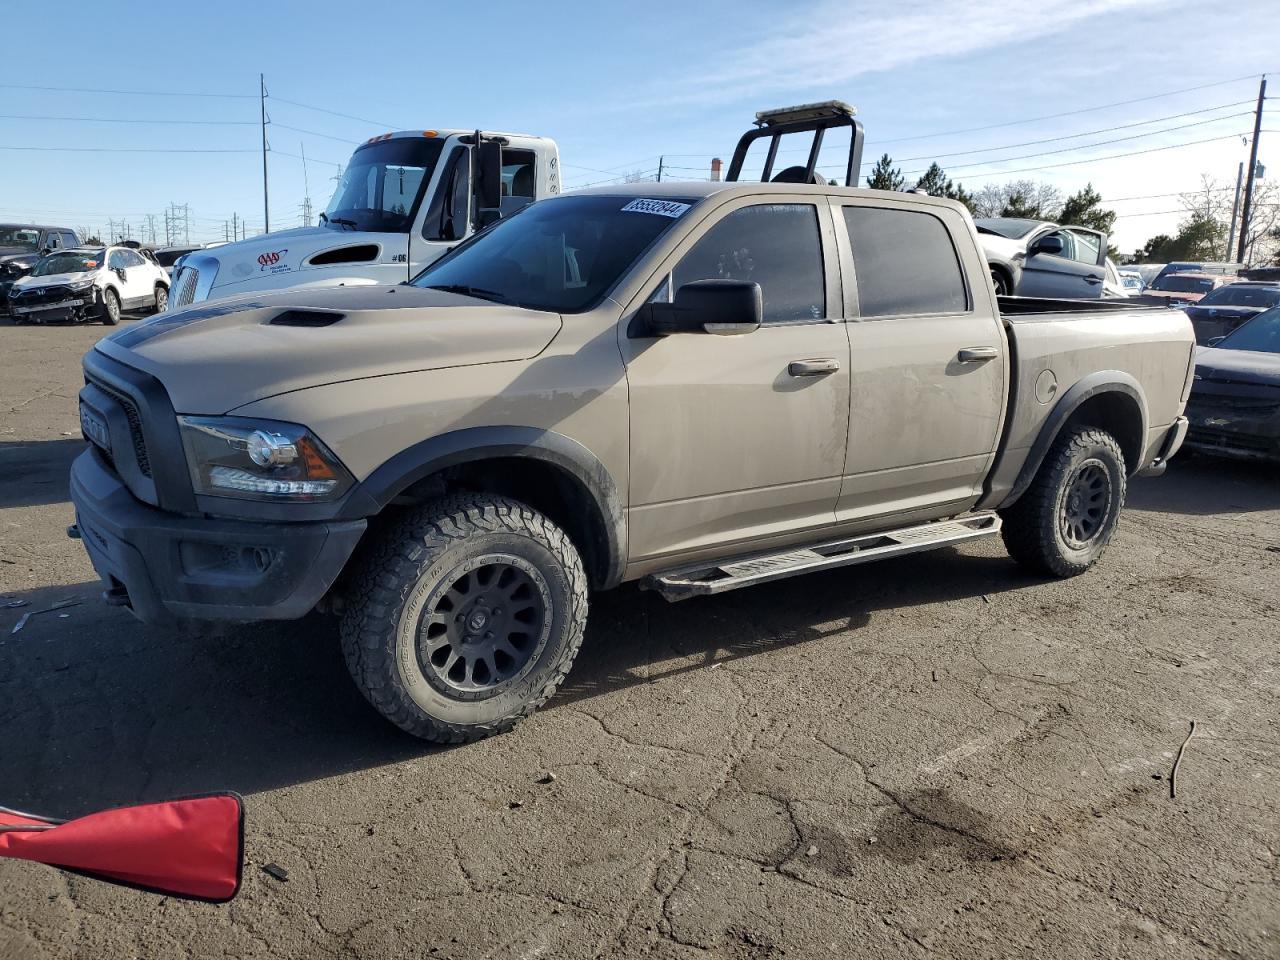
184 286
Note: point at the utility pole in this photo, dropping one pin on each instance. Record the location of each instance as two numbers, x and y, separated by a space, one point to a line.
262 98
235 226
306 189
661 161
1253 168
1235 208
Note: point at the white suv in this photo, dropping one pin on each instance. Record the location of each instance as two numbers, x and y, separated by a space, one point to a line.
89 283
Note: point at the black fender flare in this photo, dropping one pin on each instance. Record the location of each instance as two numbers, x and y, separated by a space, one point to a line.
1104 381
473 444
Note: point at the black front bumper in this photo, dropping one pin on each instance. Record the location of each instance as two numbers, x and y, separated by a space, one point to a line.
173 566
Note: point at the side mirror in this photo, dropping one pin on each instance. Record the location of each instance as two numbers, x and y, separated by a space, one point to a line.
1049 244
120 272
723 307
488 182
45 251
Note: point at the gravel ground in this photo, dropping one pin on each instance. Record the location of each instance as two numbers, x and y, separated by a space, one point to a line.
935 756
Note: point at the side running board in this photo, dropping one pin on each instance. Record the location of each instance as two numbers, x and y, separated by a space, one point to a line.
701 581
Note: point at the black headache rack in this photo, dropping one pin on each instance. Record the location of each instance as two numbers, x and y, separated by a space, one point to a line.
815 118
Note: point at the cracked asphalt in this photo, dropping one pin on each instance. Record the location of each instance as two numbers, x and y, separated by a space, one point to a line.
932 757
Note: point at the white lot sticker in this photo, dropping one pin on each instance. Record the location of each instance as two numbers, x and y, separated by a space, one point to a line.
663 208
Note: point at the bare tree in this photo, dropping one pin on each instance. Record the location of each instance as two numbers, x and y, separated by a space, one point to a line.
1042 201
1213 200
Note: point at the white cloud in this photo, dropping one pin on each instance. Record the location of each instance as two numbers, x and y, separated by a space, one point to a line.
834 42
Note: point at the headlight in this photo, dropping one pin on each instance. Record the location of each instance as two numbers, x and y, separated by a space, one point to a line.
260 460
80 286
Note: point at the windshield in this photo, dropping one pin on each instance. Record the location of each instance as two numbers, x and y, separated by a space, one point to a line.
1012 228
25 237
1176 284
1261 334
1242 295
562 255
73 261
383 185
167 258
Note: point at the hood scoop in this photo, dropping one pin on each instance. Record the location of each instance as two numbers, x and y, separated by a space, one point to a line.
305 318
360 253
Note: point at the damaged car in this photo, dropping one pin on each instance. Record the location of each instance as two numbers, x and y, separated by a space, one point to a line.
1234 409
89 284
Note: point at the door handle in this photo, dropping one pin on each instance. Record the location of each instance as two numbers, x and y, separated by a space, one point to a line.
977 354
813 368
1093 278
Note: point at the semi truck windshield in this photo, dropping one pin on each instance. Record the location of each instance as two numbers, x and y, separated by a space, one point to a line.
383 185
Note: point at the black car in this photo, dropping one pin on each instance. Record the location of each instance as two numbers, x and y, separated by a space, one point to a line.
21 245
1234 408
1218 313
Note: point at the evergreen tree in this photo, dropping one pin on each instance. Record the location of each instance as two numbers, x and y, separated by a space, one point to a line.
1084 209
885 176
936 183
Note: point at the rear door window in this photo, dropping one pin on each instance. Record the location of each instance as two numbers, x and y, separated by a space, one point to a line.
905 263
777 245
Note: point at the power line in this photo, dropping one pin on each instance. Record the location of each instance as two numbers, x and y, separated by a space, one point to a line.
131 93
334 113
216 123
1087 146
285 153
313 133
1114 156
1072 113
127 149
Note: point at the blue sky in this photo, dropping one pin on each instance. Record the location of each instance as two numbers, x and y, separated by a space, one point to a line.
619 85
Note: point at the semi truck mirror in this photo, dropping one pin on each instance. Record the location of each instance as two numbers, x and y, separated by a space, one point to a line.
488 183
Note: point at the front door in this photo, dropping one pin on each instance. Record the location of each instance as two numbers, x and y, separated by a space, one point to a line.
735 438
1076 273
928 365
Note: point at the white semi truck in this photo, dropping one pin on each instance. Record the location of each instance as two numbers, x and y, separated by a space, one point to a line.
404 199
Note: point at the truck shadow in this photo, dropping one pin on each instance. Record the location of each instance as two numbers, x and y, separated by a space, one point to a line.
100 710
1201 486
36 472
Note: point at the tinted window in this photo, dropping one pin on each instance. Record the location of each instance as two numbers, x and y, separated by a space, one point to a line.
1262 334
1176 284
1242 295
905 262
563 254
776 245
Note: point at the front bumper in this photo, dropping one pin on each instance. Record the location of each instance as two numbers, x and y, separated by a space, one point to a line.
168 566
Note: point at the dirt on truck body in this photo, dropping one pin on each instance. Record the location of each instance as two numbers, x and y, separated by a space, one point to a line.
700 386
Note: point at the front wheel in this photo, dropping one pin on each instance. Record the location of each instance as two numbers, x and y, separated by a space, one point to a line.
1065 519
1000 282
465 617
110 308
162 298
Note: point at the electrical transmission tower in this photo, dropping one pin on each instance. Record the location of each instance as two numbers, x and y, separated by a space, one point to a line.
306 190
177 225
149 233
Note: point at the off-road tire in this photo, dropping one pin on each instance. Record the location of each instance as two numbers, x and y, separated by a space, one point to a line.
1034 528
402 568
161 302
110 308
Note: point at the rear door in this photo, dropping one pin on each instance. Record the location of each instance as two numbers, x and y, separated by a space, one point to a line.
928 362
743 437
1077 273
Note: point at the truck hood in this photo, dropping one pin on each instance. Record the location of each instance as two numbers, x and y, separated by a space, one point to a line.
1214 364
217 356
285 252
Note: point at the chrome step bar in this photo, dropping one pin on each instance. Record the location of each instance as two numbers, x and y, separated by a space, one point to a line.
705 580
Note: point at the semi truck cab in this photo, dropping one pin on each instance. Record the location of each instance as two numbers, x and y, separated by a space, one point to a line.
402 201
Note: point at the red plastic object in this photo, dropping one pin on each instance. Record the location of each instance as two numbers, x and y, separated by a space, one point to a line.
191 848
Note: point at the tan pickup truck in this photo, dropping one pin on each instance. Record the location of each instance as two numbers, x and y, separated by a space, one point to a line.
698 386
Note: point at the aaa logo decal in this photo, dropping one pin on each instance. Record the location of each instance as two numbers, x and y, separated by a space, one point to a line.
271 259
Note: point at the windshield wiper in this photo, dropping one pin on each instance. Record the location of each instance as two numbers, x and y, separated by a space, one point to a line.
341 221
478 292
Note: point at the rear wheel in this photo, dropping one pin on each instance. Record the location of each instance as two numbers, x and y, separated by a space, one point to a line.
1001 282
110 308
465 617
1063 522
162 298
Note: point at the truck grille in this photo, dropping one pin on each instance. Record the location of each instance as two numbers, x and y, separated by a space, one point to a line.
135 425
184 287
